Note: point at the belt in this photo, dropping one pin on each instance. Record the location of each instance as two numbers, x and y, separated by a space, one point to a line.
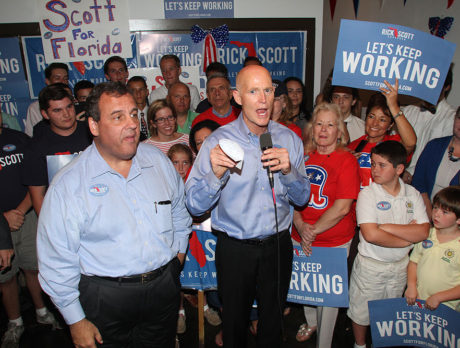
139 278
258 241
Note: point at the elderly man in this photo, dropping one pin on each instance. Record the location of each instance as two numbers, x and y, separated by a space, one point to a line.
213 69
179 98
113 231
219 95
171 70
254 248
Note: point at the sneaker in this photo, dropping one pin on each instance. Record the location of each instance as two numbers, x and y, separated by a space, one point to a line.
181 324
48 319
12 336
212 317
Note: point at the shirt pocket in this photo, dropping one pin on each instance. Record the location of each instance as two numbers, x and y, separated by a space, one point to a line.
163 215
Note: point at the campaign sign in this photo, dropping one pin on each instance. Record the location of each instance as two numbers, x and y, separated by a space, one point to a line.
199 9
14 99
282 53
369 53
82 30
199 268
395 323
320 279
91 70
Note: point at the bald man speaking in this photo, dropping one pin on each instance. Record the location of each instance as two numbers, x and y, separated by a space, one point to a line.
254 248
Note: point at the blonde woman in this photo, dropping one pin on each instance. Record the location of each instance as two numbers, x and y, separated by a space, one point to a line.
327 221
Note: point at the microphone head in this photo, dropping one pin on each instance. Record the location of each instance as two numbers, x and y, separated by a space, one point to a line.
265 141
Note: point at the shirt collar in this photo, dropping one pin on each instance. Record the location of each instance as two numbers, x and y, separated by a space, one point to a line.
246 133
401 193
98 165
223 115
349 118
144 110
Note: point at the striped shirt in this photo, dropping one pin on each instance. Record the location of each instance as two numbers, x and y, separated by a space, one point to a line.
165 146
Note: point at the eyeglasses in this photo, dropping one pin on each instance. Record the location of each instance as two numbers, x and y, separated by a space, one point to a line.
164 119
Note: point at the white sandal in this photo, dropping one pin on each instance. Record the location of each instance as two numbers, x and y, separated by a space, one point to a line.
305 332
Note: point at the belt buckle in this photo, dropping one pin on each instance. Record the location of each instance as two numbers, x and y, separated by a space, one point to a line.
144 278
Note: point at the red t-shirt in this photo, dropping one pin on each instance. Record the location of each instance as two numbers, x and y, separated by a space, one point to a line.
333 176
209 115
365 159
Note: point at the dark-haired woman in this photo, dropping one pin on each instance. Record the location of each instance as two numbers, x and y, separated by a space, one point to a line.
383 112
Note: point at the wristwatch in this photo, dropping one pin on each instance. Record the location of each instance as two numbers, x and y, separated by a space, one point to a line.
398 114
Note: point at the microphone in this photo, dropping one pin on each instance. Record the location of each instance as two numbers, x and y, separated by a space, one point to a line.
265 141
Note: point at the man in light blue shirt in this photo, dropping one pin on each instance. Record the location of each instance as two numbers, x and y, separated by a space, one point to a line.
250 254
112 229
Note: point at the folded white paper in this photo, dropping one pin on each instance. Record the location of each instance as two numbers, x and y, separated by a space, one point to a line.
233 150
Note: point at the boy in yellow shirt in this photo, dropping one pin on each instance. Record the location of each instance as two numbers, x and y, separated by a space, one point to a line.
433 273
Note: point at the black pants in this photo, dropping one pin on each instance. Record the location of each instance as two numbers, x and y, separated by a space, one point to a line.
253 271
134 314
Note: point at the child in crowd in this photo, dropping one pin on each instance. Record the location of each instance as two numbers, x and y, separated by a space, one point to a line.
433 273
182 158
392 217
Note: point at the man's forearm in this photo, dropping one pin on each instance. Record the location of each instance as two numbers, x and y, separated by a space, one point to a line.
26 203
37 194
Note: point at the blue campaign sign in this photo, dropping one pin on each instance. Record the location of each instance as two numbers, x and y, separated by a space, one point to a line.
199 9
91 70
11 69
282 53
14 98
320 279
395 323
199 268
369 53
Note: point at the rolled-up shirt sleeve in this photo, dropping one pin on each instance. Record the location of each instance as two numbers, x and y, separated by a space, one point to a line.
203 188
296 182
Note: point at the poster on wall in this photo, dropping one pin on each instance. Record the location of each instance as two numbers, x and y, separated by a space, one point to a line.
282 53
84 30
91 70
199 9
14 98
369 53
